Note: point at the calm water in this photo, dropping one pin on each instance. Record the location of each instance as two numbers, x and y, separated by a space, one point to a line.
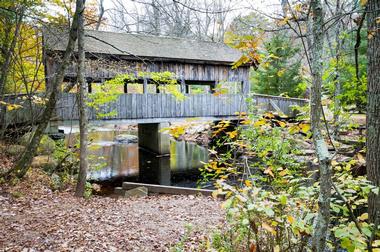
115 162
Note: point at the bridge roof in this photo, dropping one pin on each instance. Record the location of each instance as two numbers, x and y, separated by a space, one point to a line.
147 46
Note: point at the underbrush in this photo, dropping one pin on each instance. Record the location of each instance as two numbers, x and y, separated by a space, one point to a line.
271 191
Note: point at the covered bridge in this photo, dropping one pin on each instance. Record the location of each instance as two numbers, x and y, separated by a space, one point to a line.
194 63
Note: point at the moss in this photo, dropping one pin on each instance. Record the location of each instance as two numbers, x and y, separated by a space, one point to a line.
46 147
15 150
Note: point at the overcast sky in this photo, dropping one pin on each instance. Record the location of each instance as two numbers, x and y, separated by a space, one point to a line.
243 7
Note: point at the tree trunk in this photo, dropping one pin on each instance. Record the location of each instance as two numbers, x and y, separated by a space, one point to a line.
322 220
338 85
5 68
83 121
373 106
10 51
23 164
100 15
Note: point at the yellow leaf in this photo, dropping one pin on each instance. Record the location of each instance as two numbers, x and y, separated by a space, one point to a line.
294 129
269 115
281 123
363 2
268 228
334 163
11 107
246 121
248 183
284 21
243 60
305 127
377 20
240 113
280 72
290 219
266 64
232 134
298 7
363 217
260 123
284 172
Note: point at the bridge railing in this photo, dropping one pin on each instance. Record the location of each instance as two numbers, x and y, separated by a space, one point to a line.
20 109
143 106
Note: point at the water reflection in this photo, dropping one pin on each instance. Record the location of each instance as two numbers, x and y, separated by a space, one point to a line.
111 160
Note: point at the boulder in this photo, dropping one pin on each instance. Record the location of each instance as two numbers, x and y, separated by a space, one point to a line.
46 147
44 162
15 150
126 139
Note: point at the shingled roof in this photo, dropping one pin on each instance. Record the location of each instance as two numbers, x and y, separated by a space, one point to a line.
147 46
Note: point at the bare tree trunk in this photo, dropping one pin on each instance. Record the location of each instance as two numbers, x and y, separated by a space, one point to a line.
156 18
9 53
5 68
323 217
337 82
373 106
100 15
23 164
83 120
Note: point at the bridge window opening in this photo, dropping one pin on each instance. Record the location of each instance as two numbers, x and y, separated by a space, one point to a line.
167 89
97 87
134 88
230 87
199 89
198 86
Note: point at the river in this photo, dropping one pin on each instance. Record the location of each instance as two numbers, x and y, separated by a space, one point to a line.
112 161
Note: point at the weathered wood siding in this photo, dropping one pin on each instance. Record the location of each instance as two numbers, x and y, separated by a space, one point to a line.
144 106
147 106
101 69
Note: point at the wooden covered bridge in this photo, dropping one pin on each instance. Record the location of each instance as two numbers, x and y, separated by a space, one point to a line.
198 66
195 64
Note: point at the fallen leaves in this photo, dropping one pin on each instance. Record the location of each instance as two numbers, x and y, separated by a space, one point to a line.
61 222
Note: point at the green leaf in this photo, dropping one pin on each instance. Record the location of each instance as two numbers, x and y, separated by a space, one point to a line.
283 199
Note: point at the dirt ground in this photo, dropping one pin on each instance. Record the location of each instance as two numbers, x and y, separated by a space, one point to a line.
33 217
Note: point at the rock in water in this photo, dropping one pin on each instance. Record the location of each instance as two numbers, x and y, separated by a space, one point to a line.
126 139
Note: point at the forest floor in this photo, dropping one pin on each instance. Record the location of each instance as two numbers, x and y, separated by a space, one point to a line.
34 217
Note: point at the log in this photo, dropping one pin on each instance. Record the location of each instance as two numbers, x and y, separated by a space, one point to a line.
167 189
